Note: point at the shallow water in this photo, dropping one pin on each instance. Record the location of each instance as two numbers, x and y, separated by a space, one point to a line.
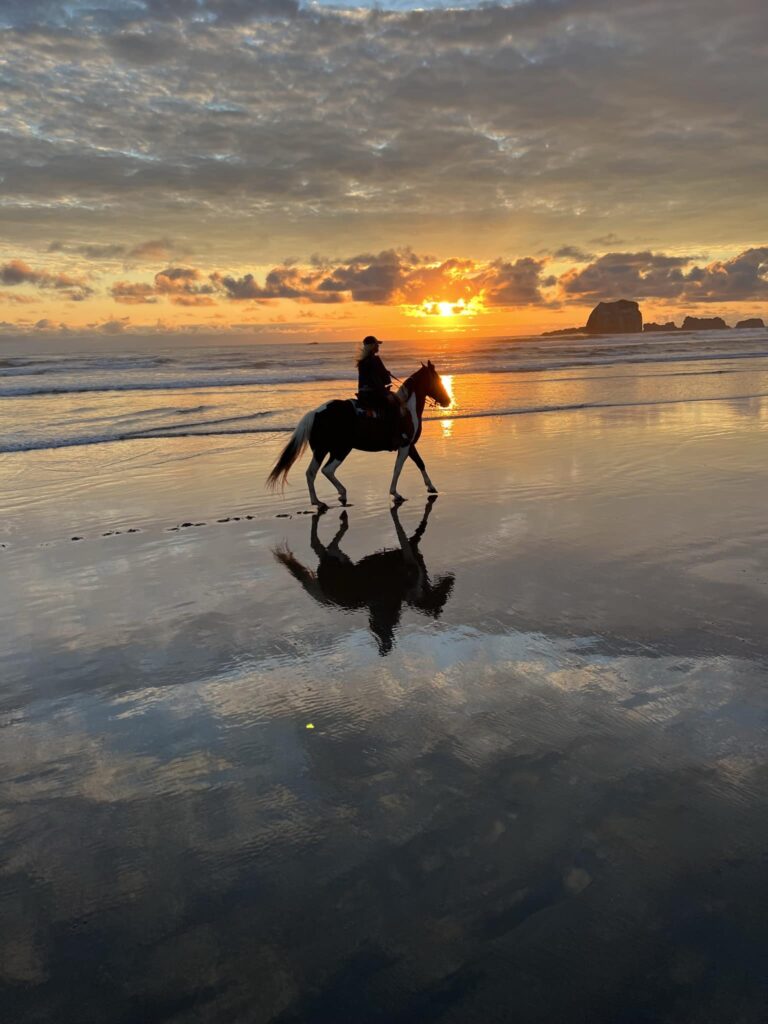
52 399
535 786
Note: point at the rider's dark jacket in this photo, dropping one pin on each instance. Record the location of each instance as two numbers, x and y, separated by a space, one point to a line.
373 378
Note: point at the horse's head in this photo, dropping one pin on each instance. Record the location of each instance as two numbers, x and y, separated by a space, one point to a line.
433 383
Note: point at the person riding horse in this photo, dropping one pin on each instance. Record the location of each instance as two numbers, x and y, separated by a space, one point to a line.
373 383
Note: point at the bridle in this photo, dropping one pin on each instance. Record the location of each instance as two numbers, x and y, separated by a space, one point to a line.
429 401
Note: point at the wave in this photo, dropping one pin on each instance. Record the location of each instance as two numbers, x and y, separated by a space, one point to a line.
202 429
186 384
565 361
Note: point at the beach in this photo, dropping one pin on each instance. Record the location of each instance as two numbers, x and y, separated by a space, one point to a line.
495 756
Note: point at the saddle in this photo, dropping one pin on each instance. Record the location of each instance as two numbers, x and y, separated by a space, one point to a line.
368 411
383 422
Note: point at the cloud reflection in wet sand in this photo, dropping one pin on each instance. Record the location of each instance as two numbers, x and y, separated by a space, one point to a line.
549 804
437 841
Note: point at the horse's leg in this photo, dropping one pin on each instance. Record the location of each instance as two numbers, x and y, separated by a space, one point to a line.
329 471
413 454
312 468
402 455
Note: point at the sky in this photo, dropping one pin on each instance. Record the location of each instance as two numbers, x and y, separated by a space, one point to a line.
274 168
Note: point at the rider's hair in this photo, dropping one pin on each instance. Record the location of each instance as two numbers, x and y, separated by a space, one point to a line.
366 348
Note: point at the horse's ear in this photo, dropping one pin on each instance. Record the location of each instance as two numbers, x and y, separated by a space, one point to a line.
430 364
422 366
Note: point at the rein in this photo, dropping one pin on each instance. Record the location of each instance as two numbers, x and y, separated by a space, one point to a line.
429 402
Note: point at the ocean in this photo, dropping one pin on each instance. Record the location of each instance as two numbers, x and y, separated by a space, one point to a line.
70 393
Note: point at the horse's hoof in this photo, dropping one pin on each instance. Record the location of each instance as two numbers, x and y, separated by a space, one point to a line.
320 506
432 490
398 499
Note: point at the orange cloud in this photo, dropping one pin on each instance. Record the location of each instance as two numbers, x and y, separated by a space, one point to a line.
17 272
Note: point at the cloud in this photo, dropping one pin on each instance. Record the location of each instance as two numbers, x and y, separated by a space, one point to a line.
642 275
514 284
17 272
743 277
626 274
133 293
184 286
573 253
395 277
154 250
607 240
231 119
113 326
391 277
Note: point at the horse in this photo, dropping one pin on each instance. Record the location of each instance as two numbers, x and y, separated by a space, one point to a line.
381 583
338 426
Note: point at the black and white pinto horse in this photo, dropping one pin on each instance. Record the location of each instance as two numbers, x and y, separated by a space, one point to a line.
337 427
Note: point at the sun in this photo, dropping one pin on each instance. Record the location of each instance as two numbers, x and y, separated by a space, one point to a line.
446 308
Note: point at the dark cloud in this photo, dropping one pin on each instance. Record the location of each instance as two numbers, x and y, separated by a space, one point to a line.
154 250
280 283
395 277
538 117
514 284
573 253
743 277
371 278
653 275
621 274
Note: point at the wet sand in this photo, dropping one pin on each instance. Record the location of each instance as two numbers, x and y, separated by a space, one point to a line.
534 789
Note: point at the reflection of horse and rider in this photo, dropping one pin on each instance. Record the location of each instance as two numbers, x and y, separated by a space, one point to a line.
381 582
377 420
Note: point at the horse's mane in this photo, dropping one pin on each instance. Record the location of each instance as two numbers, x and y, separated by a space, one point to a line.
424 368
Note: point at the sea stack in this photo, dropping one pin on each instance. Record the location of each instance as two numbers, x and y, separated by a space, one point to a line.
754 321
620 317
668 326
704 323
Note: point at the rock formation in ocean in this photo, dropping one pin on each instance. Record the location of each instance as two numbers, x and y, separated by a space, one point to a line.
668 326
754 321
564 330
704 323
621 317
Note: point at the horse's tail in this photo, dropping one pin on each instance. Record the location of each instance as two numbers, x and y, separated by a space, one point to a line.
292 451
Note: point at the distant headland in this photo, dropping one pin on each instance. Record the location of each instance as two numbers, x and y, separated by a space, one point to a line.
624 317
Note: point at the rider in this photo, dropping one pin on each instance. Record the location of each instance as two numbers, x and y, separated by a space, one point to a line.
374 382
